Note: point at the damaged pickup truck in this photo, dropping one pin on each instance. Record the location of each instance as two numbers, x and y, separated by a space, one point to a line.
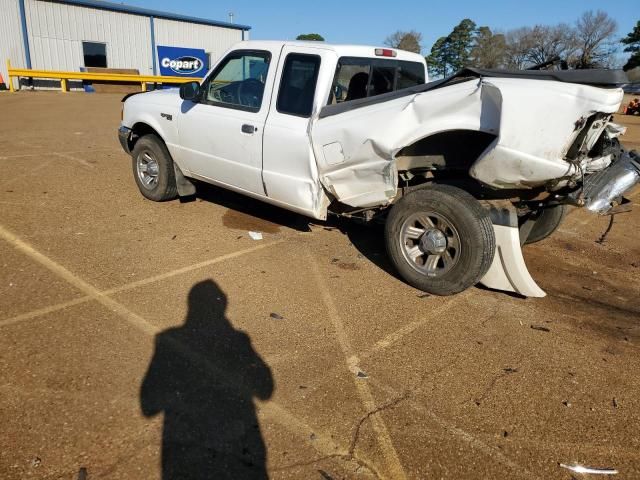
463 170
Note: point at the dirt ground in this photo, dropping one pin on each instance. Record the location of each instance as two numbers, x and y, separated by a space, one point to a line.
141 340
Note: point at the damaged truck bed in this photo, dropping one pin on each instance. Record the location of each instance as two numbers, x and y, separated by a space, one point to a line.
463 171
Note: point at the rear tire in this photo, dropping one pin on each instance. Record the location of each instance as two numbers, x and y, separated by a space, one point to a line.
547 222
440 239
153 169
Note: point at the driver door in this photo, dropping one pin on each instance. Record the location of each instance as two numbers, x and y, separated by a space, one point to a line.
221 132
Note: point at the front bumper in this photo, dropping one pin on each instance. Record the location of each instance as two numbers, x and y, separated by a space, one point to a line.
124 134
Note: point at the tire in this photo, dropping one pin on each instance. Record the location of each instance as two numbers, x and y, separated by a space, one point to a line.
466 239
156 181
547 221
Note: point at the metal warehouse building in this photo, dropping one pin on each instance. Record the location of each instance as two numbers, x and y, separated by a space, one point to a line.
70 35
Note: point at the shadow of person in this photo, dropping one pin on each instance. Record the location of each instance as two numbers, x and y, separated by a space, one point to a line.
204 376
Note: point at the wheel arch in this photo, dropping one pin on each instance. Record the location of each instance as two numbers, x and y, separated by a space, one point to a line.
139 130
455 150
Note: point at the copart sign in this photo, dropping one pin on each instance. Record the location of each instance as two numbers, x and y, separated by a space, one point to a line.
182 62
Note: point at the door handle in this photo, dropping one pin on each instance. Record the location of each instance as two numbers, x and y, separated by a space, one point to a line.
246 128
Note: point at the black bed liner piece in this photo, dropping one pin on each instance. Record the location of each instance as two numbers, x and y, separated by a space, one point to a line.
597 78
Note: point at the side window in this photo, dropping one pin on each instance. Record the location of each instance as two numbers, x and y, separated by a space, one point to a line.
366 77
410 74
382 80
239 80
298 84
351 80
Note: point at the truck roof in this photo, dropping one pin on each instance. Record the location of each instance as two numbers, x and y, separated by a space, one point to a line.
341 50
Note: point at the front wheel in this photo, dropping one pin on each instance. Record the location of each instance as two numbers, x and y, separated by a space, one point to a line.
440 239
153 169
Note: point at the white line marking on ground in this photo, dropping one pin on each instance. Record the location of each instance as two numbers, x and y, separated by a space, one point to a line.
195 266
395 337
76 159
44 311
322 443
133 285
44 154
491 451
26 174
394 465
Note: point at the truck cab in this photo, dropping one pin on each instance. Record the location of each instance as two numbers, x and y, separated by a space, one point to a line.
247 125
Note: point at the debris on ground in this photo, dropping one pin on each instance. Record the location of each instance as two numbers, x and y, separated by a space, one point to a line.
35 463
325 475
614 402
541 328
361 374
510 370
423 295
82 474
255 235
589 470
276 316
566 403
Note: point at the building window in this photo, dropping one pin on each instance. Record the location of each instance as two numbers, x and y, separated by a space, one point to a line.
95 54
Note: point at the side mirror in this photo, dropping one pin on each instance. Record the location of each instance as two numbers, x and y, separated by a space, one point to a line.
189 91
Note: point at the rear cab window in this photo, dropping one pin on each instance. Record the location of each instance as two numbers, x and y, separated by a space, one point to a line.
361 77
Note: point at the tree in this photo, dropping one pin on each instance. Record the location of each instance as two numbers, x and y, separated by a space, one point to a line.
453 52
489 50
409 41
594 39
460 43
518 42
438 58
316 37
547 43
632 42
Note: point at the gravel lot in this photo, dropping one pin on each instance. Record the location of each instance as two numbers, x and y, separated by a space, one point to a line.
144 340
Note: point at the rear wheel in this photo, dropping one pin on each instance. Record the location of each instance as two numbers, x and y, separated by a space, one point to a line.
545 222
440 239
153 169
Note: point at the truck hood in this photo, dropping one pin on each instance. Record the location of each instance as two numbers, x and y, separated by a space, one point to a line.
165 96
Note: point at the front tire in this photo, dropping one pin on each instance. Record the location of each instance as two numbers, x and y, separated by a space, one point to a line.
153 169
440 239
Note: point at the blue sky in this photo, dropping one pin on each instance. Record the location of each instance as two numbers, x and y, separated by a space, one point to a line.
369 22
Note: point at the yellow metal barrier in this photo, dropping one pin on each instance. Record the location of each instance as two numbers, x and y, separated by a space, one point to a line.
98 77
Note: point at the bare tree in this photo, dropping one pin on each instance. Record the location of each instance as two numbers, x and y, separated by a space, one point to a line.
518 43
489 49
594 35
527 46
409 41
550 42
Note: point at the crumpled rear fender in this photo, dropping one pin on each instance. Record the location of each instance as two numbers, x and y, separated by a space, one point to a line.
355 150
539 124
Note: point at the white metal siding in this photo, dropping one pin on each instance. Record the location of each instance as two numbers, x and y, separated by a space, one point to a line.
11 44
214 40
56 32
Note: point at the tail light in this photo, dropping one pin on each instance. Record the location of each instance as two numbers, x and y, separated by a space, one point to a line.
386 52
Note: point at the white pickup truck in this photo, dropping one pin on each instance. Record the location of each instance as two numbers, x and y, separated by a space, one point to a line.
462 170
